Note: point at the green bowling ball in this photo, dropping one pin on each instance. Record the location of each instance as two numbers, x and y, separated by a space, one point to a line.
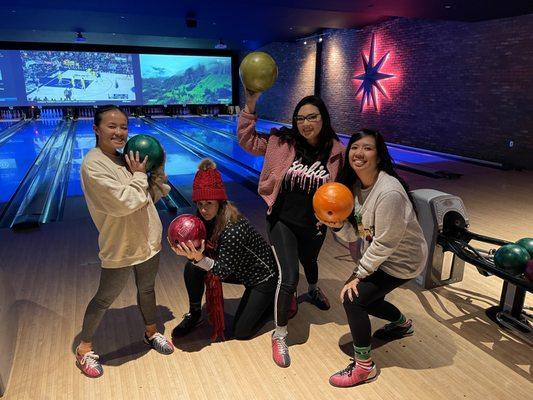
526 243
511 258
146 146
258 71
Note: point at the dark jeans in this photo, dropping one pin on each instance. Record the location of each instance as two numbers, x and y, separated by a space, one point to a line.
112 281
371 301
294 244
255 305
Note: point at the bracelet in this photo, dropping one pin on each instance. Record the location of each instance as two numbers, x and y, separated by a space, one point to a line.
356 273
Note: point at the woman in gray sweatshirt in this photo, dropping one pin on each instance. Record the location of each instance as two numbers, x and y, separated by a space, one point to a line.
387 245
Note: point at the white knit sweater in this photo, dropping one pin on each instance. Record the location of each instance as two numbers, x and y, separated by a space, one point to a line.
122 208
391 237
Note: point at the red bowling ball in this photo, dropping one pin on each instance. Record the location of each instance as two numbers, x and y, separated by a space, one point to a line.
187 227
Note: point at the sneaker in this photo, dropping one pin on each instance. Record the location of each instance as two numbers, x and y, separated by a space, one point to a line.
190 321
89 364
353 375
280 351
319 299
293 309
159 343
394 331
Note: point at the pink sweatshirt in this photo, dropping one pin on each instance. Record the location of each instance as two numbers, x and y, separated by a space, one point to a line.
278 156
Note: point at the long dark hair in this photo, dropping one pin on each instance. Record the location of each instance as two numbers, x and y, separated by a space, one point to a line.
227 213
326 136
103 109
347 175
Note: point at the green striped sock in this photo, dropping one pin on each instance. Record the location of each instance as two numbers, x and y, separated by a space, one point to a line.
362 357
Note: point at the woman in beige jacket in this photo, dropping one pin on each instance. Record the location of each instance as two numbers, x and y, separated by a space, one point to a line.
120 196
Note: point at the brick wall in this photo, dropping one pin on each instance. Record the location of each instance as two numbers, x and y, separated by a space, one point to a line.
296 79
461 88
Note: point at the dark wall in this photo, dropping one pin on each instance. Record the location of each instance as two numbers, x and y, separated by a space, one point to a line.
461 88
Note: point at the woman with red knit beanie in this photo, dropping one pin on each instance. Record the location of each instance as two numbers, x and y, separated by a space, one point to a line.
234 252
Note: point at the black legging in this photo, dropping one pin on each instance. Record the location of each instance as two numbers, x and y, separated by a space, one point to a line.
294 244
256 302
371 301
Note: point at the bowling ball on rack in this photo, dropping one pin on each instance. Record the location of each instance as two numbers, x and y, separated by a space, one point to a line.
187 227
258 71
333 202
526 243
511 258
146 146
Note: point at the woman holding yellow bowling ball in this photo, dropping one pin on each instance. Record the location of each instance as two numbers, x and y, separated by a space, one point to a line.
297 161
120 196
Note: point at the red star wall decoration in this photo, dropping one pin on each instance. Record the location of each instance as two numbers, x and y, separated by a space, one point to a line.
371 77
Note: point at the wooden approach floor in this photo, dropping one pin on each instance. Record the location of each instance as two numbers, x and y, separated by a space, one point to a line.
456 352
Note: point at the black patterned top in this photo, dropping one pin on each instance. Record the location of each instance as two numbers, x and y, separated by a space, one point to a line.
243 253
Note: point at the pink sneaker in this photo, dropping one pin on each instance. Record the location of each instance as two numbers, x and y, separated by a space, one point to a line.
353 375
280 351
159 343
89 364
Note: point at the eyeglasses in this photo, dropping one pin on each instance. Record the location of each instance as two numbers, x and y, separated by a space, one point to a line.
311 118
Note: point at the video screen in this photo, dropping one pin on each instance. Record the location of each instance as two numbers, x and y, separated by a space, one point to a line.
68 76
8 91
37 77
174 79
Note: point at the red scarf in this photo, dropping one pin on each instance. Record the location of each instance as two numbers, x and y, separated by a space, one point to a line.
214 299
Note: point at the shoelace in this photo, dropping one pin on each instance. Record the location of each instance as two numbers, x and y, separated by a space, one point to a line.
90 359
349 369
158 339
282 346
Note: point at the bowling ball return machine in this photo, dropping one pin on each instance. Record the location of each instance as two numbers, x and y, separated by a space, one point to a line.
445 224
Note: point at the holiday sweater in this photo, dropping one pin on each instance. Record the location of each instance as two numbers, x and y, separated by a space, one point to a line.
388 235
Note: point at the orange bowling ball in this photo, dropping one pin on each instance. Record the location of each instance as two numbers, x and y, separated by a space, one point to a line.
333 202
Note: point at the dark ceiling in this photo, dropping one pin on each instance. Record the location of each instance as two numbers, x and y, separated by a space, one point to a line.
239 24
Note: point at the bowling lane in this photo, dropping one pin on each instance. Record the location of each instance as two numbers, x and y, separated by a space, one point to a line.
19 153
84 140
262 125
221 142
181 164
214 123
6 124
